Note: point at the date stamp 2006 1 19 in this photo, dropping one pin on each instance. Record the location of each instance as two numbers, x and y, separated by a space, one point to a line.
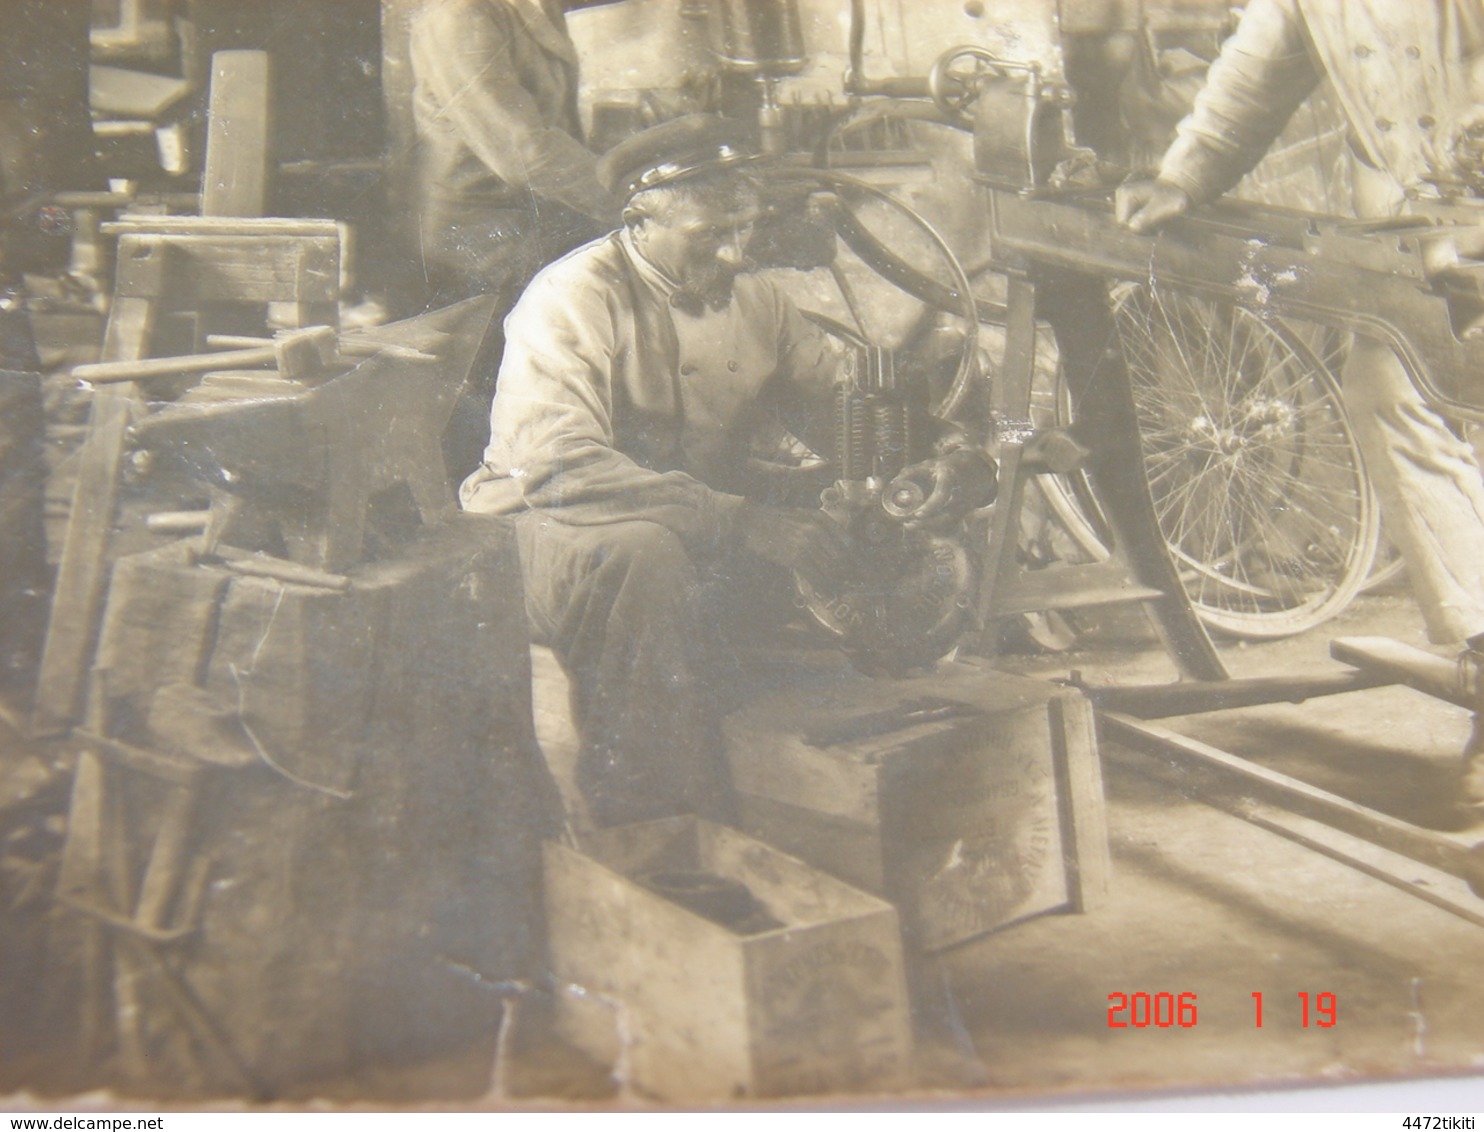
1165 1010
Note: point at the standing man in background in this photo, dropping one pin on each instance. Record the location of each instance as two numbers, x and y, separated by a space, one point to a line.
1408 76
503 182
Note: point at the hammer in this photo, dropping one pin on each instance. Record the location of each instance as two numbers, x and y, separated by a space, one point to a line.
297 353
350 346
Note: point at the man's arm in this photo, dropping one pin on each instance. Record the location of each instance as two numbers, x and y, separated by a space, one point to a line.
1263 74
461 56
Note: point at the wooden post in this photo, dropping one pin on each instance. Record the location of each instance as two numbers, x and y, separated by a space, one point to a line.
235 181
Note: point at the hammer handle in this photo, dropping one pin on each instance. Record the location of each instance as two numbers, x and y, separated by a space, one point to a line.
350 347
104 373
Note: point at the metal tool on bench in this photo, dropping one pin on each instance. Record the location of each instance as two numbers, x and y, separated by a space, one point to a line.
296 354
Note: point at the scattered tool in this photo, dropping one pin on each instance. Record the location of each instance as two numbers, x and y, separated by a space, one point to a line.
350 346
259 565
925 709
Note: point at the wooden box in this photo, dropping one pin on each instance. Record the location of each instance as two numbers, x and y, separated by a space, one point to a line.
809 997
969 798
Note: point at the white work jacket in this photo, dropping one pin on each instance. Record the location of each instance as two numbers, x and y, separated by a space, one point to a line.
1399 68
612 404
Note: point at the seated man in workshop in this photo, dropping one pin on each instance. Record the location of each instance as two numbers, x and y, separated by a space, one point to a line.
1411 79
636 372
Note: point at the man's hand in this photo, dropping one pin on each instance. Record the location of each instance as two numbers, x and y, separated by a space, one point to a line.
1145 205
955 484
794 538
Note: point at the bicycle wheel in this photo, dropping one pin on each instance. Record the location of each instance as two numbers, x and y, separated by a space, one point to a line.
1256 479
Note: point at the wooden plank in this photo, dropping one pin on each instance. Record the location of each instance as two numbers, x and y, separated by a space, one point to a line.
120 92
235 269
77 601
1003 575
1223 769
1079 789
218 226
1072 587
167 860
235 180
1395 663
176 769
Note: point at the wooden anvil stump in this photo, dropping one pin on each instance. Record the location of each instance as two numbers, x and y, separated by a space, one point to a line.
969 798
366 860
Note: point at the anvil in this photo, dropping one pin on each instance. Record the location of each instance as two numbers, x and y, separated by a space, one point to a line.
307 459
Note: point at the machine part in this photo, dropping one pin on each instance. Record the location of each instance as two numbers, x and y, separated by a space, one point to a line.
906 597
758 37
1020 128
1259 488
904 606
856 82
903 496
849 193
953 82
764 39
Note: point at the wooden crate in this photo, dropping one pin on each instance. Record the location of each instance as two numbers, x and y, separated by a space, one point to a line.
683 1006
988 811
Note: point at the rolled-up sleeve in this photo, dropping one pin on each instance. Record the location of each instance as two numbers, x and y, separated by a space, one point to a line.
1264 72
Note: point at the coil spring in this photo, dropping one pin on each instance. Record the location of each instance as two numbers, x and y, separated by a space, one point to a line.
889 427
852 436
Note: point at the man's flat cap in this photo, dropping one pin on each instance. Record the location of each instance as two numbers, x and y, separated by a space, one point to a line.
673 151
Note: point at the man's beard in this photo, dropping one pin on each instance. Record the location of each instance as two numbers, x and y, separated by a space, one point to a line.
710 287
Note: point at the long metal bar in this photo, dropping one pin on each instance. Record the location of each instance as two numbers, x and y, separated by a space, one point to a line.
1435 886
1195 697
1220 769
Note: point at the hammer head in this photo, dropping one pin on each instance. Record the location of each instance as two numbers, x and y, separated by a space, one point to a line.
304 353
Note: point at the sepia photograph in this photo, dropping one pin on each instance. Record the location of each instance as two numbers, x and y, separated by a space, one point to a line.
644 555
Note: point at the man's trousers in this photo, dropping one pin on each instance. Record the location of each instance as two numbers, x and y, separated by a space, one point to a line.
1431 491
643 631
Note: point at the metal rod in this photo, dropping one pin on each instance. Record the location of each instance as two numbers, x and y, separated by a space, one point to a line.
1428 846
